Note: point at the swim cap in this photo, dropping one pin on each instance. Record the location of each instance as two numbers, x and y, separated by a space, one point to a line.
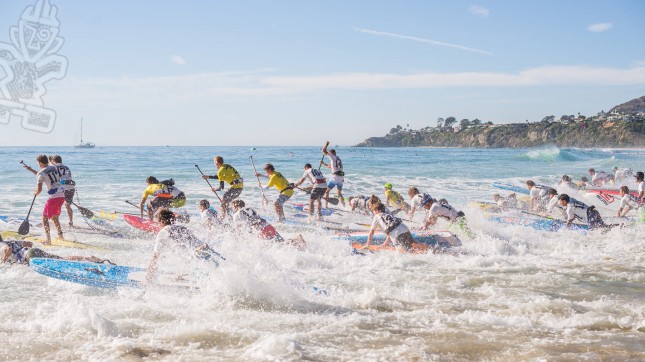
388 185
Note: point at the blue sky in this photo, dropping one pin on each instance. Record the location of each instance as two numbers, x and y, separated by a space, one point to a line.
301 72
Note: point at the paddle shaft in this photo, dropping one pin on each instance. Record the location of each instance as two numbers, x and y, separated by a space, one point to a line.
209 184
257 177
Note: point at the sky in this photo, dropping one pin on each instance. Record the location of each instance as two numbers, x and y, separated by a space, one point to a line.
269 73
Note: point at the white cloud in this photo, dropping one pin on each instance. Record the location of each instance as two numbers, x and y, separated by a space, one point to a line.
479 11
178 59
422 40
600 27
225 86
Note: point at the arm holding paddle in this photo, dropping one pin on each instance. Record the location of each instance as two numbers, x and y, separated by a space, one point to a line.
325 153
28 168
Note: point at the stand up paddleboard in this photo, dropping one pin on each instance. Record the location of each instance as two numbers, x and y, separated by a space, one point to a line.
510 187
542 224
142 223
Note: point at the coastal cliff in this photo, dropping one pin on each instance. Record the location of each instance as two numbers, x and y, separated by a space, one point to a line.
614 129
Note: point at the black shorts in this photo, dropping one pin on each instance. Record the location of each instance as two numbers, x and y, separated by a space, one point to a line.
230 195
317 193
594 218
69 195
405 240
158 202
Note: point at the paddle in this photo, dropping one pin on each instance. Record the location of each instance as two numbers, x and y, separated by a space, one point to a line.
24 227
209 184
131 203
85 212
264 198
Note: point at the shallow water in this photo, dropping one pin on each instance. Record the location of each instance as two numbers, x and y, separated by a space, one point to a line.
511 293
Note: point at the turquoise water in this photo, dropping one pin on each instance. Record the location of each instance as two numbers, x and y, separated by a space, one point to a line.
508 294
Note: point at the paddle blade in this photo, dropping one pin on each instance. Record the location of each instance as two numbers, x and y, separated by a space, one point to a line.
85 212
333 201
24 228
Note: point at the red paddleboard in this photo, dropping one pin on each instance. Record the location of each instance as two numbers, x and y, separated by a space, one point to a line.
609 192
142 224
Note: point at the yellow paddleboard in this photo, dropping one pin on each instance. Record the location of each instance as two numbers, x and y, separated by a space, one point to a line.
60 243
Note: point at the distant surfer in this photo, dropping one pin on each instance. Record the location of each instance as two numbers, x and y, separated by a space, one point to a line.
246 217
580 212
164 194
173 236
337 178
281 184
227 173
317 179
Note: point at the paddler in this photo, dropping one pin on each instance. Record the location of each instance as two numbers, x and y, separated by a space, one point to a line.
282 185
164 193
227 173
415 199
394 229
171 237
599 178
337 178
395 200
435 210
249 219
316 178
49 176
359 204
640 188
538 197
622 174
555 203
579 212
68 184
627 202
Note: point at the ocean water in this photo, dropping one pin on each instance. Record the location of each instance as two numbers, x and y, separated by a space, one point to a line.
508 294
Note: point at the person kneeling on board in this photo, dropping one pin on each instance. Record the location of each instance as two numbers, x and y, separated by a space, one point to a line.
579 212
392 226
246 217
172 236
165 195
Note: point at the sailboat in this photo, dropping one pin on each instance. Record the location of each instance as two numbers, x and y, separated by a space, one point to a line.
84 144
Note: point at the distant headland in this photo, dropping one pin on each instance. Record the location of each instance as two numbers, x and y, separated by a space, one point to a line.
621 126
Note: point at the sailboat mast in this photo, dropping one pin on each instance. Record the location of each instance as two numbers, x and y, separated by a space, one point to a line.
81 130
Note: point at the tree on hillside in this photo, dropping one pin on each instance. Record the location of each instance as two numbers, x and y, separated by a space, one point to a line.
396 129
439 122
548 119
449 122
489 123
476 122
464 123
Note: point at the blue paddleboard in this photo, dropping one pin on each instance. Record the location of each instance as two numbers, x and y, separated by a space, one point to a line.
542 224
509 187
91 274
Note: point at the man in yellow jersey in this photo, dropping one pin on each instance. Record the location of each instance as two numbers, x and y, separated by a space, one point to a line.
165 195
395 199
226 173
281 184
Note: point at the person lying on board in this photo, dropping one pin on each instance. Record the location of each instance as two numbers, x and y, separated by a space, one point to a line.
538 197
599 178
506 202
581 213
319 183
359 204
281 184
20 252
245 218
227 173
164 194
441 209
178 239
415 199
628 202
554 203
392 226
566 181
394 199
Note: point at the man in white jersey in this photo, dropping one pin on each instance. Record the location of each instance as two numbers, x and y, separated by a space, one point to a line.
538 197
49 176
581 213
436 210
416 197
627 202
337 174
392 226
622 174
172 237
599 178
209 215
555 203
316 178
359 204
68 184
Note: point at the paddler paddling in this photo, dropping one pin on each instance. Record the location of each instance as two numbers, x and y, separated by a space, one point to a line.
337 178
49 175
281 184
227 173
316 178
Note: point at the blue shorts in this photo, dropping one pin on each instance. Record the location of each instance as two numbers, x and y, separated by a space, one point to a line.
332 184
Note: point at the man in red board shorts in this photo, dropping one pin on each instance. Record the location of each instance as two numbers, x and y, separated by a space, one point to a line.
49 176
